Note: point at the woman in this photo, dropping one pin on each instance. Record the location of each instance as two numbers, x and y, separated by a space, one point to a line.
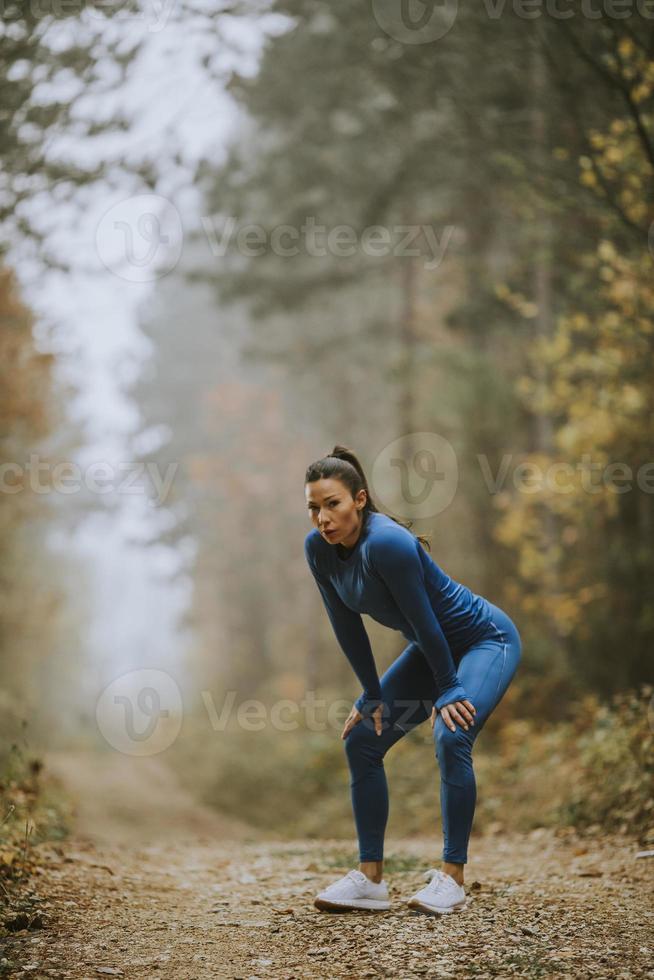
462 654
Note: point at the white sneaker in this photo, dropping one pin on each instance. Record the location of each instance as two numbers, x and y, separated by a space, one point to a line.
353 891
441 896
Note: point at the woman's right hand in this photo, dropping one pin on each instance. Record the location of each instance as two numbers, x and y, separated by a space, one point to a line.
355 716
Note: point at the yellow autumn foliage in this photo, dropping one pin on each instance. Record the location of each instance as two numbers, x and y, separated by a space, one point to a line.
594 379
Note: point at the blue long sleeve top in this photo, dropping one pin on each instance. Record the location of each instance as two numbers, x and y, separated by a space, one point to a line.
389 576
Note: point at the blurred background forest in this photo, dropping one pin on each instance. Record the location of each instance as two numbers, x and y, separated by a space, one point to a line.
514 157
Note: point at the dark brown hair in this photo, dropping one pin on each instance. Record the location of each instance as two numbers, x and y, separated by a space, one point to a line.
342 464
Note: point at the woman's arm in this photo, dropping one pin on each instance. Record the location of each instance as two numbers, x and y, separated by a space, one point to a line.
352 637
395 557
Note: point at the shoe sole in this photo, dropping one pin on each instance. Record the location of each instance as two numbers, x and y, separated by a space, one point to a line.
415 903
369 904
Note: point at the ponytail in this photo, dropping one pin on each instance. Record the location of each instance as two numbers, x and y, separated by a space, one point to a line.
343 464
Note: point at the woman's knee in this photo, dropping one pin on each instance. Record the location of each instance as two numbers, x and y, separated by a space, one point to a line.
362 744
453 749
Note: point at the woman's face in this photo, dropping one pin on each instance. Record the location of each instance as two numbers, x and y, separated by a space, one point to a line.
334 511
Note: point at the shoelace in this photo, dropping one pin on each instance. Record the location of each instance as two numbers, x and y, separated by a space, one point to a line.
337 886
355 876
436 877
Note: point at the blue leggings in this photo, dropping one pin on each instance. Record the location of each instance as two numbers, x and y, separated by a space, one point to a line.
408 689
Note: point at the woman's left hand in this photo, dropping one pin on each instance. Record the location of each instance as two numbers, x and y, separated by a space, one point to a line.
461 711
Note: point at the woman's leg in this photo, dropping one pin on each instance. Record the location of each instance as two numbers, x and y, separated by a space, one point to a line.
407 690
485 671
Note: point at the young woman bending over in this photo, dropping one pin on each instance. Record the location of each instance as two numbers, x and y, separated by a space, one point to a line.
461 655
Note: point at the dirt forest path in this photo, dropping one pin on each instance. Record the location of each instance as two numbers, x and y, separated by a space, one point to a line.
153 885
